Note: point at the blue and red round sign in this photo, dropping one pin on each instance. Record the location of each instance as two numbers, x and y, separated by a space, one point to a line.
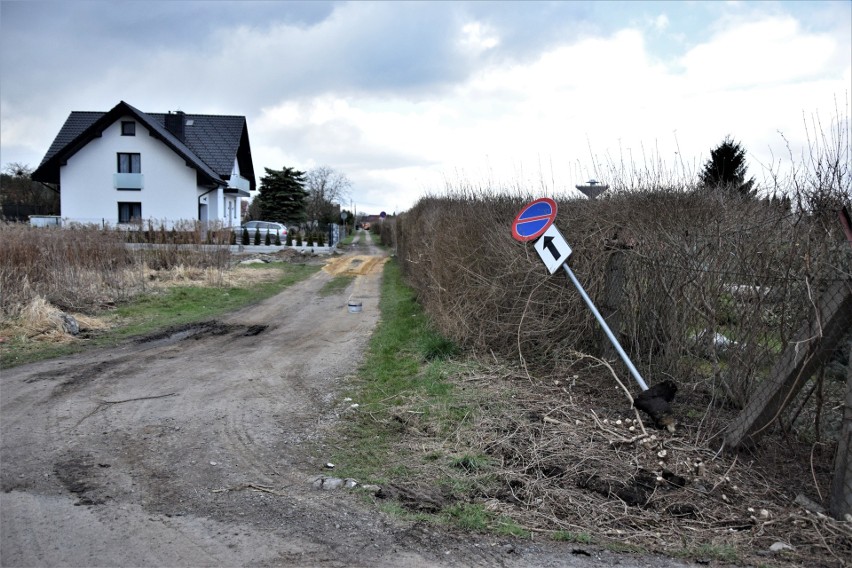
534 219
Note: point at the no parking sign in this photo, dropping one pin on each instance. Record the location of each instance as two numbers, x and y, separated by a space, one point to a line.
535 221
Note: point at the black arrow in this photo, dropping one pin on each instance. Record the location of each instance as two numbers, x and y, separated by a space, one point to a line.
548 244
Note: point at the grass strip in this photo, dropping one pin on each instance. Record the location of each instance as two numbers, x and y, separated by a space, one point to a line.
336 285
407 381
388 378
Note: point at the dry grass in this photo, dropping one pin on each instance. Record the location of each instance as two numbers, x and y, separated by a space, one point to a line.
564 454
41 321
209 277
83 268
80 271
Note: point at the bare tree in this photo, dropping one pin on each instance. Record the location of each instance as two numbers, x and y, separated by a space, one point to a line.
18 169
20 196
327 190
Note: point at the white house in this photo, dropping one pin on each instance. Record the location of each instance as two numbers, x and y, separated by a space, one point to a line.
124 165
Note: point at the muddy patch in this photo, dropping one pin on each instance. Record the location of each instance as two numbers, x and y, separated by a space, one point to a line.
199 330
254 330
75 378
81 476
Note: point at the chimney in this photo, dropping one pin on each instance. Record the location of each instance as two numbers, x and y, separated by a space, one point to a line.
176 124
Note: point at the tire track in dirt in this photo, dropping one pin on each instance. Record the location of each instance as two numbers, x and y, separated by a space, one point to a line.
249 394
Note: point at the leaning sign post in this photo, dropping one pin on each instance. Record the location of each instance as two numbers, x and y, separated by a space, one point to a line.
535 223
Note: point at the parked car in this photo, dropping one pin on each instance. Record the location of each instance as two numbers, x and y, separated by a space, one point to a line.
264 227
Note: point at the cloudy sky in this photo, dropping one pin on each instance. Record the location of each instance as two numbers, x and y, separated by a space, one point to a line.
406 98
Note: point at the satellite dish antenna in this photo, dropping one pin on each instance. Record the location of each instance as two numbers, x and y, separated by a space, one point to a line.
592 188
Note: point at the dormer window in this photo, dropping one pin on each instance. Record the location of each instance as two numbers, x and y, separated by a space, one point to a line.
128 128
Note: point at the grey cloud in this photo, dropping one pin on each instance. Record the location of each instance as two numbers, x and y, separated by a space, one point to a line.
259 51
52 50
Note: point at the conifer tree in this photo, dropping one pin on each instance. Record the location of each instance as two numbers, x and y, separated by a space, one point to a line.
726 169
282 196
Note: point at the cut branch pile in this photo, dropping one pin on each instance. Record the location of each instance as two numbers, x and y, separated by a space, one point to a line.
569 456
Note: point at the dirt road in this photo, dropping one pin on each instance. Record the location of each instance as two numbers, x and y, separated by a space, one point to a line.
197 448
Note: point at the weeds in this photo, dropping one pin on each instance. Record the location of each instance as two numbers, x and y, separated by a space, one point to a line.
336 285
486 448
468 516
720 553
470 463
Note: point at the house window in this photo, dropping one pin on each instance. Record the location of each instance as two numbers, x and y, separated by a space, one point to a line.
129 211
129 163
128 128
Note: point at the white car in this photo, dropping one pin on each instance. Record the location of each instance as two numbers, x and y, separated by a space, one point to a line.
265 227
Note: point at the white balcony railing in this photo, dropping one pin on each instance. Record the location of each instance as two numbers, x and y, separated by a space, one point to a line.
128 181
239 182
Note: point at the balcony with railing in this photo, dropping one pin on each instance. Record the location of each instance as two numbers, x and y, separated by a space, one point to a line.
240 184
128 181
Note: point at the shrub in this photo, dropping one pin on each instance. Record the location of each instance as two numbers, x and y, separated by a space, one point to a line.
713 265
268 239
289 240
257 237
245 240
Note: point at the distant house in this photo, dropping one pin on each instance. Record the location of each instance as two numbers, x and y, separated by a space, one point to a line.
369 220
125 165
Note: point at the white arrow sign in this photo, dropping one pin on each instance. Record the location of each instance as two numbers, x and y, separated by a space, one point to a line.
552 248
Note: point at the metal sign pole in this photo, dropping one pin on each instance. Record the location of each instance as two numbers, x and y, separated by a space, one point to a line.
606 329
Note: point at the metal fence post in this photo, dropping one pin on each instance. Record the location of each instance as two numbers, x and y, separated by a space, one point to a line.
613 292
